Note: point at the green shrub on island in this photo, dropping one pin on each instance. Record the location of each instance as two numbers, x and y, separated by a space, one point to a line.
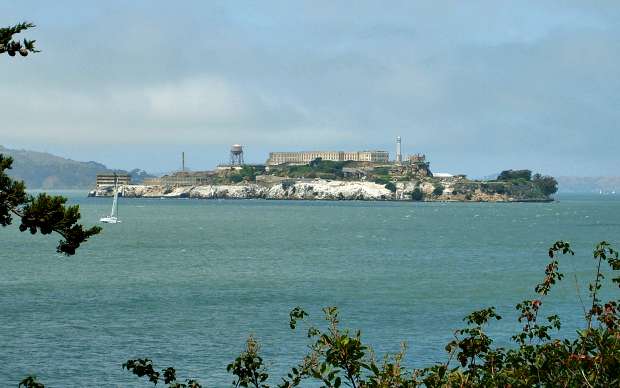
417 194
379 171
382 179
512 184
548 185
317 168
235 178
391 186
511 175
438 189
246 173
523 181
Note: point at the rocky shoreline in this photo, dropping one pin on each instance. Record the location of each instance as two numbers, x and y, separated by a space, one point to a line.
310 190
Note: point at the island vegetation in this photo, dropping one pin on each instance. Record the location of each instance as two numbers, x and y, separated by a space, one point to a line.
403 182
330 180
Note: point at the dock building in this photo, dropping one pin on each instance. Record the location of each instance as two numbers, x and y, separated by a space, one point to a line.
305 157
187 178
109 179
151 181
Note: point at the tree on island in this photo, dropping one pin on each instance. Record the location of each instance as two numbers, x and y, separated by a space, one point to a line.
510 175
417 194
391 186
438 189
547 184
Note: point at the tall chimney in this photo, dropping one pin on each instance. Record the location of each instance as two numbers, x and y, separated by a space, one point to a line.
183 161
399 156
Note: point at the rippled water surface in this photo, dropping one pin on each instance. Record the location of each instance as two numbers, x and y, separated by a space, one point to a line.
186 281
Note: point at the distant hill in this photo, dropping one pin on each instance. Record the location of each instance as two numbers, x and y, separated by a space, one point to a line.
41 170
578 184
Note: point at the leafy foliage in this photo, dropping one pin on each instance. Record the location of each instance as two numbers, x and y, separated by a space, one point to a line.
382 179
391 186
509 175
546 184
248 368
30 382
317 168
438 189
43 213
417 194
516 184
10 46
246 173
338 357
144 368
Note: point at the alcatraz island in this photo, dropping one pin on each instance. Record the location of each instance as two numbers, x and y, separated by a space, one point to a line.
332 175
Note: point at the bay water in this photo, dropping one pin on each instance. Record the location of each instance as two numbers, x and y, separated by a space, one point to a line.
185 282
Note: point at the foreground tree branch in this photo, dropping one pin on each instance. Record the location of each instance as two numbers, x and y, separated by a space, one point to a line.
11 46
44 213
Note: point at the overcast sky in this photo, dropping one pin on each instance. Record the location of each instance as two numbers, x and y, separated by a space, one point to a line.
479 86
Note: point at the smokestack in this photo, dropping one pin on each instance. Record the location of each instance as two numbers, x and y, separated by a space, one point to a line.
183 161
399 155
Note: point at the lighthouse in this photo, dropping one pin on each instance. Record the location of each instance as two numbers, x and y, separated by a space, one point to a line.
399 155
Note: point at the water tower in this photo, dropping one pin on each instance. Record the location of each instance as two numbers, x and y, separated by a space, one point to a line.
236 155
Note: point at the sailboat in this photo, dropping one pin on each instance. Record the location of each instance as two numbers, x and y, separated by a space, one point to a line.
113 217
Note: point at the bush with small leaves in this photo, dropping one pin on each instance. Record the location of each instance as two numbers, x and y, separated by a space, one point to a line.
144 368
338 357
391 186
438 189
248 368
30 382
417 194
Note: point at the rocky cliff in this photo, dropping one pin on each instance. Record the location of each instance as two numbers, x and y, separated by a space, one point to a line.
313 190
319 189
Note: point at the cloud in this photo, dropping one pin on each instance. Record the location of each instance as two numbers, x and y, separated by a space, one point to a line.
470 84
205 99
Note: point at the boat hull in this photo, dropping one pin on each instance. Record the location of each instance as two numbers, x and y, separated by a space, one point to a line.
110 220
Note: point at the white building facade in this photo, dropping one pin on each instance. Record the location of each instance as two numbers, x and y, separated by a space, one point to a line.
305 157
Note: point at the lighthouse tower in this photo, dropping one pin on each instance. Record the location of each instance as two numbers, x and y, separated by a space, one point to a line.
399 155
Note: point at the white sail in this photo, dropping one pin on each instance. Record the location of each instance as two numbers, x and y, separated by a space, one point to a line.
114 212
113 217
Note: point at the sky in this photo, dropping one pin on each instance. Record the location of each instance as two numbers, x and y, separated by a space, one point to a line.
477 86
